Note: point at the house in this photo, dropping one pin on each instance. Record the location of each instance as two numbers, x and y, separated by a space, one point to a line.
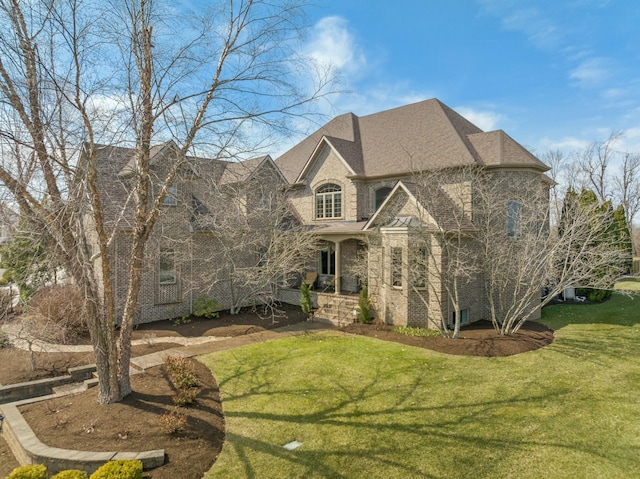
357 182
184 259
383 194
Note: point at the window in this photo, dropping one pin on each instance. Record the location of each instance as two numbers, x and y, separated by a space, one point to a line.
514 219
171 198
464 317
381 195
419 268
167 266
396 267
327 260
329 201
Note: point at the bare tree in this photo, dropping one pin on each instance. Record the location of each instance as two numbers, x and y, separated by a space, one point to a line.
258 242
595 162
522 254
443 261
77 73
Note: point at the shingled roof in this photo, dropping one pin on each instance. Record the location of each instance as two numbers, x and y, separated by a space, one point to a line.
417 137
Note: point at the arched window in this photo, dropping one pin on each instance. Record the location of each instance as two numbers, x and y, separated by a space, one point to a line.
381 195
329 201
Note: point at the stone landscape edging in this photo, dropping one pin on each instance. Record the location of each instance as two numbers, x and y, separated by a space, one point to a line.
28 449
43 387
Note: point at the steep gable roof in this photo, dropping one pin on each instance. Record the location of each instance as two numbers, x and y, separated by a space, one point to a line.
442 213
238 171
421 136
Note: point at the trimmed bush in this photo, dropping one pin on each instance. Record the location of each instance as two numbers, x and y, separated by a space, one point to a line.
119 469
37 471
71 474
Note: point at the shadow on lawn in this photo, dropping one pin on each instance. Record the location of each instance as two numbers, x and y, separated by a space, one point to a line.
381 439
442 436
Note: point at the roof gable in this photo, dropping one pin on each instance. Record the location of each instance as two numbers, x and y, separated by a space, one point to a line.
324 142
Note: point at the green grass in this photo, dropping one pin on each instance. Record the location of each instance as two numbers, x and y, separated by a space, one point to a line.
631 284
373 409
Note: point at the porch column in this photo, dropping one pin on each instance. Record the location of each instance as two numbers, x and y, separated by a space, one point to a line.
338 271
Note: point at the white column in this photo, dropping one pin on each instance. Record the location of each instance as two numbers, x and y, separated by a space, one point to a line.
338 272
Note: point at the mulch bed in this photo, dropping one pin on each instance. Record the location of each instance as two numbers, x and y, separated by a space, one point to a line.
477 339
77 422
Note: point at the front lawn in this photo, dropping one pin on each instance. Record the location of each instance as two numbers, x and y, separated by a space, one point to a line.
368 408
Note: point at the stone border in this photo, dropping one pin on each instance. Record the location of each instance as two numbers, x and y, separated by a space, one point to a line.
28 449
43 387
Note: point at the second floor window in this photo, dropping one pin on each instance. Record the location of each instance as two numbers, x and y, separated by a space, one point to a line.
329 201
171 198
514 219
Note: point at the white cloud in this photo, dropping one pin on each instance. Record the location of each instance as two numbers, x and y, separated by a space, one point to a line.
486 120
591 72
567 144
333 46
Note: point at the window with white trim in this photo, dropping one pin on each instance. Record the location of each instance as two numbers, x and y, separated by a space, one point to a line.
329 201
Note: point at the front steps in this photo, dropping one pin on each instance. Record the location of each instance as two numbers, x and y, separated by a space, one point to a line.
339 310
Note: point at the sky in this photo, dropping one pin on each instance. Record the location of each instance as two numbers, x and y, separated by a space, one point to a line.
556 74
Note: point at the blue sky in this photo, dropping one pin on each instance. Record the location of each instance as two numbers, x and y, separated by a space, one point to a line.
553 74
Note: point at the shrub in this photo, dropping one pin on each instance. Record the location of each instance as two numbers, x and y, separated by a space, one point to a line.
5 342
365 310
119 469
416 332
206 307
171 422
6 299
185 396
181 372
71 474
305 298
60 310
37 471
595 295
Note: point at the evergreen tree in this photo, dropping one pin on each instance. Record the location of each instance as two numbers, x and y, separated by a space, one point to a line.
305 298
623 235
28 260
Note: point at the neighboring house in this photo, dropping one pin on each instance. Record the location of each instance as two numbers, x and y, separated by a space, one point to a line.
354 182
183 261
